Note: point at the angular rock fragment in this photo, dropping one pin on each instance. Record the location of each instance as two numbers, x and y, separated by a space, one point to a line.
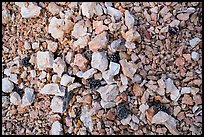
88 9
69 57
128 68
99 27
59 66
82 42
194 42
44 60
116 14
80 61
6 16
79 30
114 68
52 46
56 128
117 45
57 104
86 118
15 98
172 89
160 117
89 73
28 97
53 89
195 56
66 79
132 36
183 16
99 61
7 85
185 90
129 19
53 8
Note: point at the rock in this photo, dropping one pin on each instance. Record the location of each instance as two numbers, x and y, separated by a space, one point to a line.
58 27
190 10
42 75
65 80
114 68
29 11
59 66
174 23
86 118
171 125
89 73
28 97
110 115
149 114
195 56
82 42
129 20
197 99
147 16
128 68
74 86
7 72
55 78
180 61
35 45
116 14
176 110
130 45
99 61
185 90
15 98
69 57
172 89
99 27
137 78
164 11
154 10
108 77
126 121
57 104
88 9
194 42
5 101
44 60
87 99
52 46
160 117
27 45
187 99
124 79
53 89
54 117
98 10
80 61
13 78
56 128
54 8
79 29
33 73
7 85
143 107
132 36
183 16
107 104
117 45
6 16
135 119
161 90
98 42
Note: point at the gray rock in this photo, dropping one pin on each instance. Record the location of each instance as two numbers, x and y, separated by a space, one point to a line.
44 60
114 68
53 8
99 61
193 42
143 107
15 98
107 104
86 118
160 117
128 68
126 121
28 97
79 29
114 13
56 128
7 85
57 104
89 73
117 45
135 119
129 19
5 101
137 78
185 90
53 89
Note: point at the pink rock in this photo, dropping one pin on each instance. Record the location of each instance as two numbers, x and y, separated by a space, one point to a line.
59 66
128 68
183 16
99 27
80 61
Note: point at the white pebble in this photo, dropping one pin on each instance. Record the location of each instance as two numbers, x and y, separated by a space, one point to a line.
7 85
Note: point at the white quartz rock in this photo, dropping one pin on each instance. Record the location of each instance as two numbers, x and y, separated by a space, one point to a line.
44 60
126 121
195 56
52 46
28 97
160 117
15 98
86 118
57 104
143 107
7 85
79 29
56 128
114 13
89 73
129 19
74 86
108 77
88 9
185 90
99 61
172 89
128 68
59 66
194 42
66 79
53 89
124 79
114 68
107 104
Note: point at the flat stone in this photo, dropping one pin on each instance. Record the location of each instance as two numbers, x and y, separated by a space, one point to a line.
66 79
52 89
28 97
7 85
110 115
80 61
124 79
57 104
15 98
99 61
52 46
42 75
44 60
143 107
56 128
172 89
174 23
128 68
194 42
108 77
176 110
116 14
129 19
107 104
160 117
5 101
164 11
89 73
130 45
88 9
183 16
59 66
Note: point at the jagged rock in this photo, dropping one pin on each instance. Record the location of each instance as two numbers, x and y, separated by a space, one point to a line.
7 85
128 68
80 61
160 117
99 61
52 46
172 89
56 128
44 60
28 97
114 13
129 19
66 79
53 89
86 118
57 104
15 98
88 9
59 66
53 8
79 29
194 42
89 73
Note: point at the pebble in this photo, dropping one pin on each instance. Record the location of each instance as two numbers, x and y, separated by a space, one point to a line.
29 12
42 75
81 42
180 61
114 68
172 89
116 14
80 61
117 45
57 104
137 78
7 72
177 109
86 118
73 86
130 45
59 66
174 23
54 8
194 42
128 68
66 79
143 107
195 56
99 27
6 16
33 73
197 99
126 121
44 60
98 42
124 79
129 20
13 78
69 57
185 90
7 85
132 36
35 45
160 117
15 98
5 101
89 73
56 128
99 61
52 46
107 104
183 16
187 99
79 30
149 114
161 90
88 9
52 89
110 115
137 90
135 119
27 45
28 97
164 11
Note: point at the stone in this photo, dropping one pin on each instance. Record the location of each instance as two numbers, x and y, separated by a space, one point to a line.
55 78
27 45
35 45
154 10
187 99
88 9
161 90
194 42
30 11
135 119
137 78
132 36
52 46
33 73
183 16
174 23
110 115
143 107
171 126
80 61
149 114
98 42
172 89
42 75
197 99
108 77
89 73
6 16
107 104
57 104
53 8
73 86
99 27
5 101
28 97
79 30
15 98
160 117
129 20
137 90
7 85
164 11
177 109
180 61
130 45
195 56
44 60
86 118
114 68
117 45
7 72
81 43
126 121
116 14
98 10
58 27
54 117
185 90
124 79
99 61
59 66
69 57
52 89
56 128
128 68
13 78
66 79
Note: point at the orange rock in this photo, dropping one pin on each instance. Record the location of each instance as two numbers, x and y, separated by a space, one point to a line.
80 61
137 90
110 115
149 114
187 99
180 61
124 96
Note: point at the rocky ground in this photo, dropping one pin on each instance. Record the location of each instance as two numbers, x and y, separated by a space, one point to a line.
102 68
